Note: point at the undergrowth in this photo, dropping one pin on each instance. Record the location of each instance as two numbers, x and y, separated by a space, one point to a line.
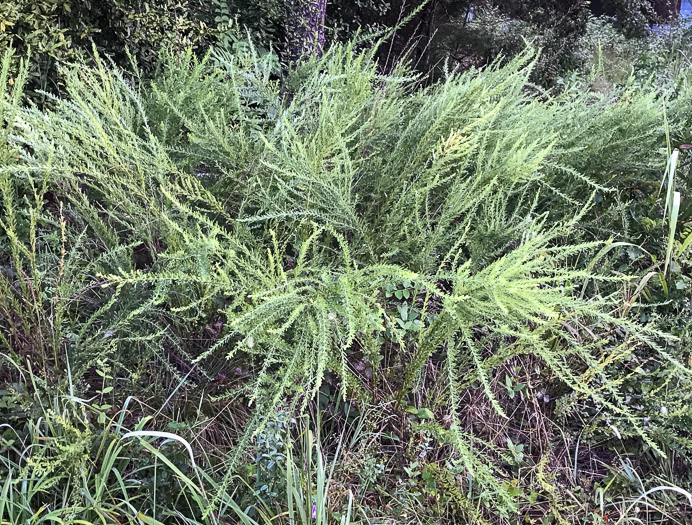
224 237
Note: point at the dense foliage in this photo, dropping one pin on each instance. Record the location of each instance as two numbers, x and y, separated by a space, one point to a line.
342 291
458 32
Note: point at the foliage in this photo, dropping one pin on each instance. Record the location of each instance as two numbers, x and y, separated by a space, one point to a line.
262 19
71 465
479 286
342 227
66 31
659 59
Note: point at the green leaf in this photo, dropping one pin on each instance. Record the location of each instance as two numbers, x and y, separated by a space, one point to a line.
147 520
425 413
513 491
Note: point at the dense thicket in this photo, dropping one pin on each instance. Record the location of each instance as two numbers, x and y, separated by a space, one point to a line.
441 270
253 272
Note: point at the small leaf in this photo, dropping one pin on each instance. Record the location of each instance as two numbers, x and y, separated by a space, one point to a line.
424 413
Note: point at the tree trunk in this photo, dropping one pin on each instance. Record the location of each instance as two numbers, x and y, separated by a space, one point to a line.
305 28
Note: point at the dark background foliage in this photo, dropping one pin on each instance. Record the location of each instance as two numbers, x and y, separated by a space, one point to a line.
60 31
461 33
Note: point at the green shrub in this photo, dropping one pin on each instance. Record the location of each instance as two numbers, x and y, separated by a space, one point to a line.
337 222
55 33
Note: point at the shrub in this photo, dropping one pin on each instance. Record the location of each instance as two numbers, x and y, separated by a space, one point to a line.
284 214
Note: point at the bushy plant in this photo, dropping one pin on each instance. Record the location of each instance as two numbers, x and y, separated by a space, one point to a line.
340 226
